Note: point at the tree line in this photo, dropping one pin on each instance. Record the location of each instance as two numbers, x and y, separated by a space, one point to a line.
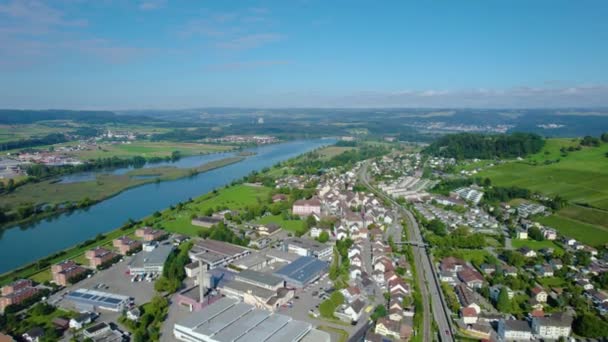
484 146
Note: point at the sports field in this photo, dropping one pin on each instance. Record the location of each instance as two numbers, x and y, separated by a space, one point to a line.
580 177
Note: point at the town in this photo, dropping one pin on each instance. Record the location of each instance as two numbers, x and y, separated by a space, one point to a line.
350 269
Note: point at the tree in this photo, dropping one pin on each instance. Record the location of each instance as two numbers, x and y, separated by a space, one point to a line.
437 227
327 309
535 234
589 325
502 303
323 237
604 137
379 312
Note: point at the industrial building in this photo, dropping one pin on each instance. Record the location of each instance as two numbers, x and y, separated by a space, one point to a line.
151 259
90 300
216 253
306 247
302 271
228 320
261 290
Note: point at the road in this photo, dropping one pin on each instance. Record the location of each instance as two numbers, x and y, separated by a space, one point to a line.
433 296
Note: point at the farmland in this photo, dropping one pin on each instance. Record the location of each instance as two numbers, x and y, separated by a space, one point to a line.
586 233
579 176
147 149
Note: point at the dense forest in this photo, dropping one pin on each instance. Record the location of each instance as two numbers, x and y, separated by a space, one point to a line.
50 139
469 145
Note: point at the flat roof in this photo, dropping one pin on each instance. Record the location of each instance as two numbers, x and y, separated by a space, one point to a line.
264 331
242 287
230 320
302 270
101 298
219 247
259 277
157 256
242 326
282 255
211 311
292 331
250 260
224 319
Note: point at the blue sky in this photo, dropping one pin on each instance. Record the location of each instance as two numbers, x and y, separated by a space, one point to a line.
112 54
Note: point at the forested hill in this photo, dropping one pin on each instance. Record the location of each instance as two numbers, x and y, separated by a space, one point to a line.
15 116
482 146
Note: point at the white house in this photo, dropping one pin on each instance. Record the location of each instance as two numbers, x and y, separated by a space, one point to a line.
514 330
552 327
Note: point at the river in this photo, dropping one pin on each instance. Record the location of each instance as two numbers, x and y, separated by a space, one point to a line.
22 245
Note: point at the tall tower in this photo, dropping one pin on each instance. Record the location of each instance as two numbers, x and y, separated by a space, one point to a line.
202 283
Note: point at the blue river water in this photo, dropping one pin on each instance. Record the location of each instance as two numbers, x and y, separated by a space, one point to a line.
22 245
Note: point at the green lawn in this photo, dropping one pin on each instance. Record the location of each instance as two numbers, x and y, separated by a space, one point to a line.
587 215
235 197
477 256
290 225
586 233
581 176
535 245
332 151
549 282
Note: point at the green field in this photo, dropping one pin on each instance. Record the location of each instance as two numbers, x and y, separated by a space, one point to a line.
19 132
586 233
235 197
147 149
332 151
289 225
586 215
104 186
580 177
535 245
549 282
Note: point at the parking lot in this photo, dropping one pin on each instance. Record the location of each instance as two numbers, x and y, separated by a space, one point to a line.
112 280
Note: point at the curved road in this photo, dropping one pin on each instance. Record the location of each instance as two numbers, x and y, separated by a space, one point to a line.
425 271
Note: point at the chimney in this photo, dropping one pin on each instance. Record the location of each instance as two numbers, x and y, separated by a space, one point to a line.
202 274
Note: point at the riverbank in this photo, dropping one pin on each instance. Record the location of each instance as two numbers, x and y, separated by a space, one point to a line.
65 197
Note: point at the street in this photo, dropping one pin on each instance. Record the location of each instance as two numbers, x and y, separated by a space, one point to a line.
424 270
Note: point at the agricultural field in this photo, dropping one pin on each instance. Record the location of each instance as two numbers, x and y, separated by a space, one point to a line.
234 197
147 149
19 132
580 176
592 235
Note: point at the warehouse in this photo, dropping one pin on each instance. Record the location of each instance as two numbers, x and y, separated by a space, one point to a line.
230 320
302 272
151 261
216 253
89 300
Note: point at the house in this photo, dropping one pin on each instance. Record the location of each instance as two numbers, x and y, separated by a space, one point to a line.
351 293
341 233
65 272
544 270
16 293
521 234
99 256
527 252
35 334
268 229
556 264
205 221
469 315
315 232
279 198
514 330
585 284
126 245
392 329
81 320
356 260
149 234
452 265
395 313
355 272
552 327
448 277
495 292
598 297
134 314
488 269
307 207
471 278
61 323
355 250
549 234
398 286
355 309
509 271
539 294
